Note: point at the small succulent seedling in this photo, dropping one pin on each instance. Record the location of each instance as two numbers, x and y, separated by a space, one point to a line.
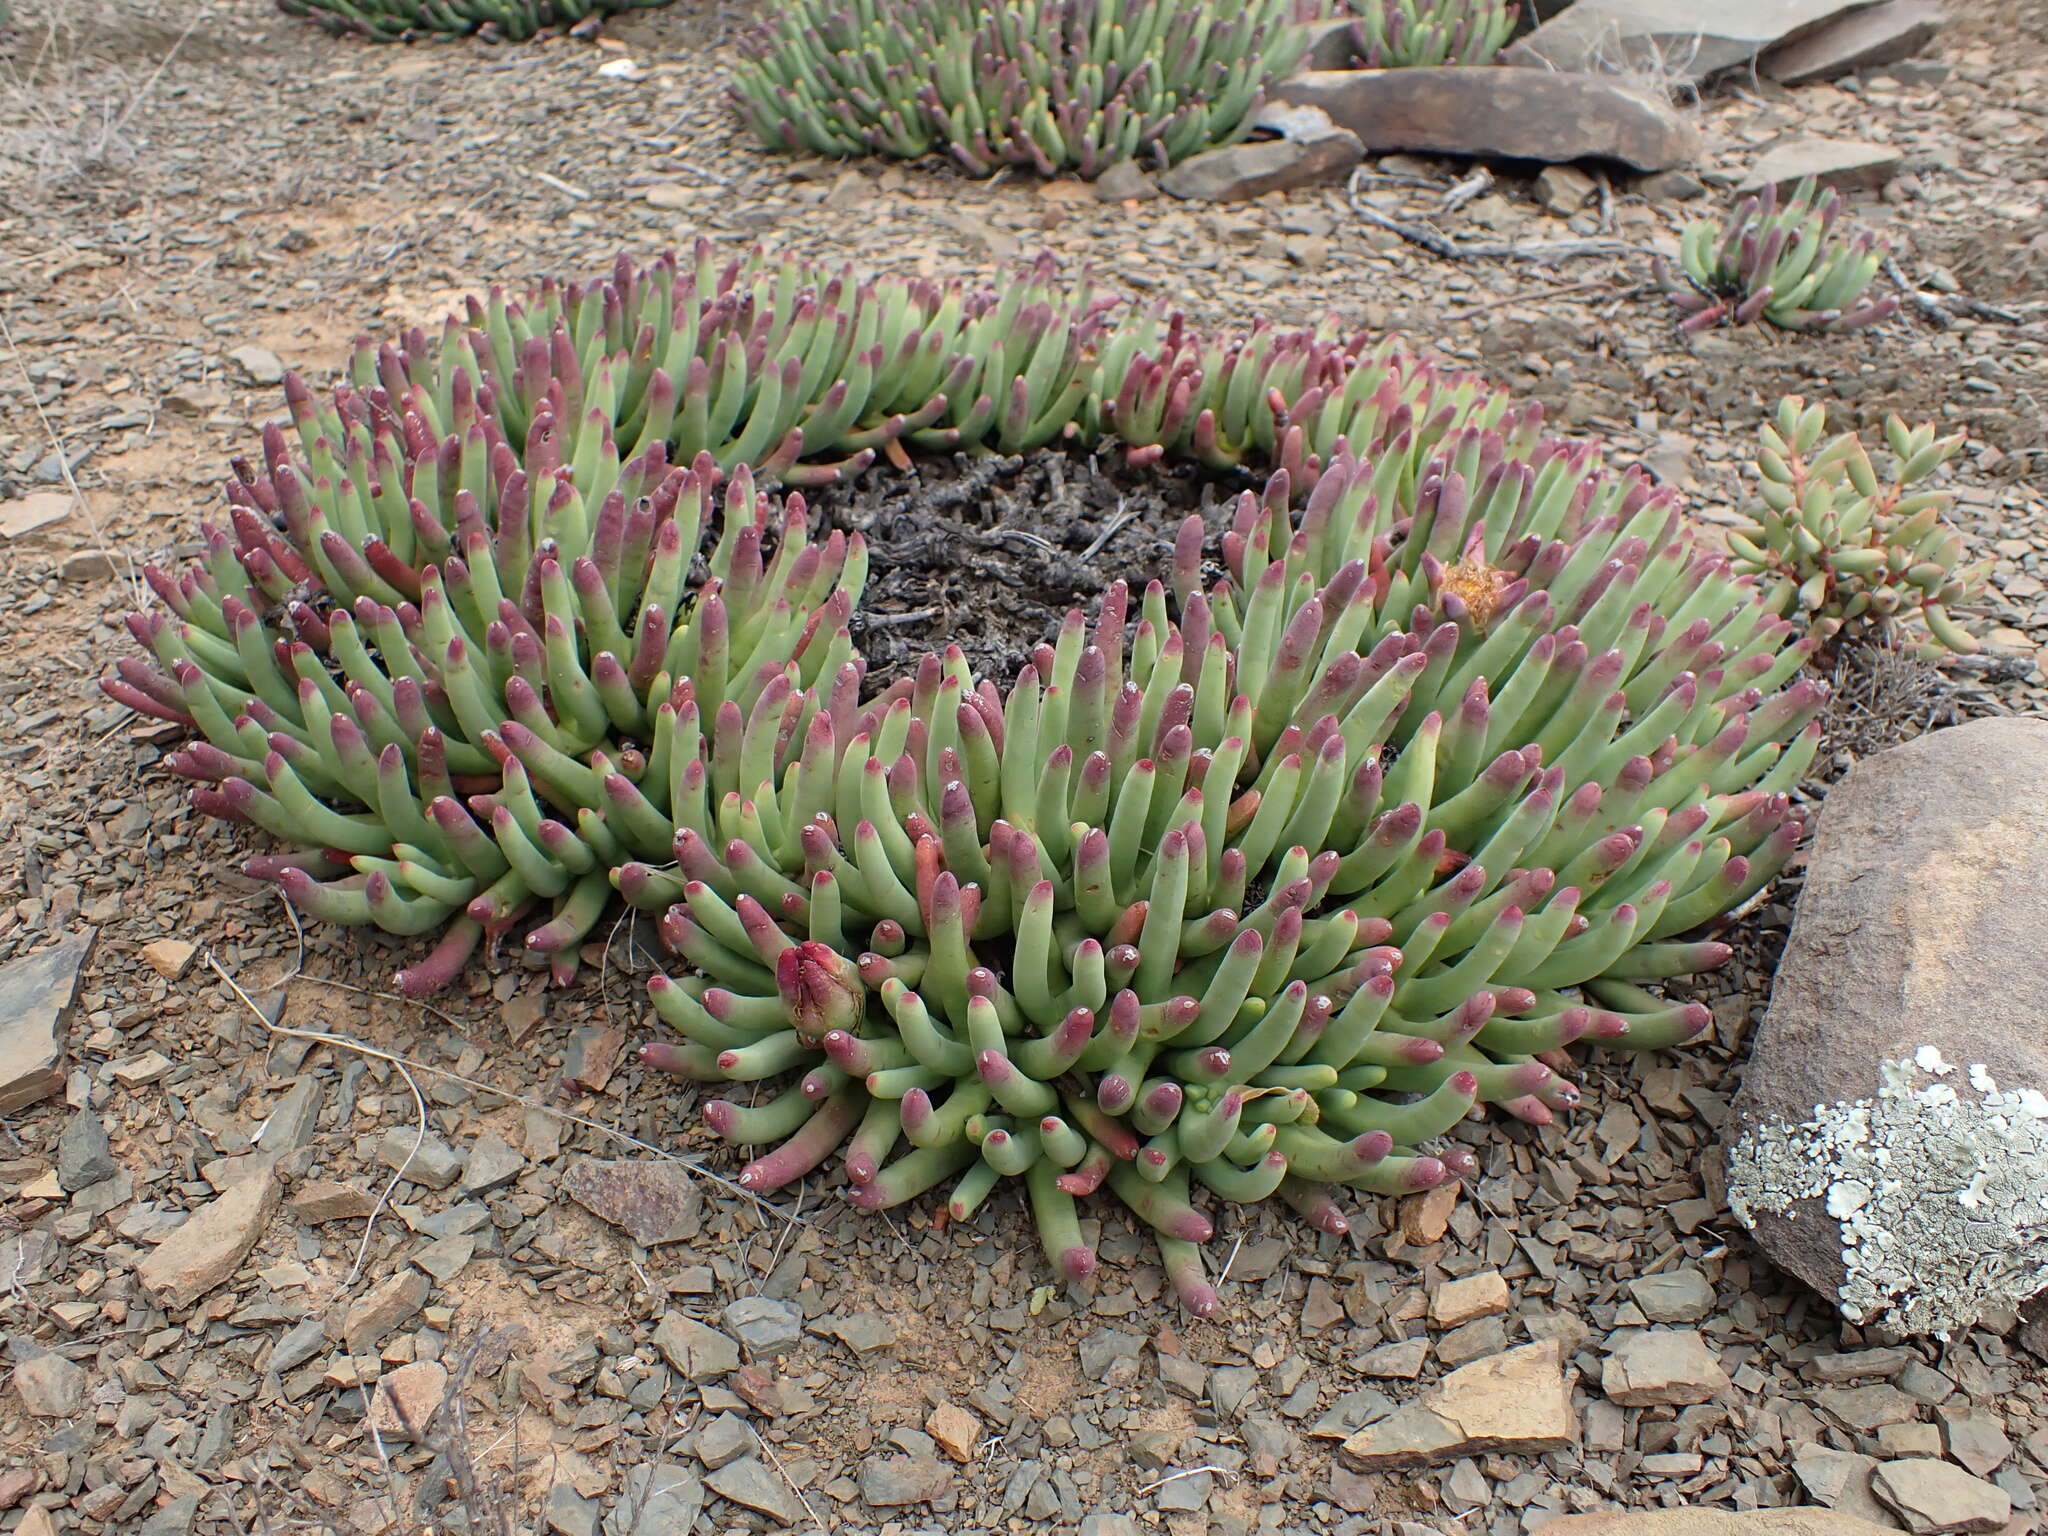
400 21
1402 33
1843 544
1784 264
1045 85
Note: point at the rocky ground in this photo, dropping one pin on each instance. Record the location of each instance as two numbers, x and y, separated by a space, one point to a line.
234 1257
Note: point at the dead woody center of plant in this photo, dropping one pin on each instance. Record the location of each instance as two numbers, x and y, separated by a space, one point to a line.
1787 265
1256 885
1046 85
1846 547
394 21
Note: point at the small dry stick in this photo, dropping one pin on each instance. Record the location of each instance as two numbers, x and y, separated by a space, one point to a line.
1438 244
1929 308
418 1100
568 188
1174 1477
779 1467
1463 193
1235 1248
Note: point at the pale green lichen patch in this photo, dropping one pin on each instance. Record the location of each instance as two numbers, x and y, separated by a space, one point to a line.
1939 1184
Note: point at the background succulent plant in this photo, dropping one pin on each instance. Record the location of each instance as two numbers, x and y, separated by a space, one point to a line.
397 21
1397 33
1843 545
1047 85
1262 886
1785 264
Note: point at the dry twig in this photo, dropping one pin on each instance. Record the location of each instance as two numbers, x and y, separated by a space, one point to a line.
1433 240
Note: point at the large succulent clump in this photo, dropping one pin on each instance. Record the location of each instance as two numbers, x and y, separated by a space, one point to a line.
1842 545
1401 33
1784 264
1046 85
403 21
1267 896
1256 889
452 633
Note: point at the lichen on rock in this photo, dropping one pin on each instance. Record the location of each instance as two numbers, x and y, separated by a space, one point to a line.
1939 1184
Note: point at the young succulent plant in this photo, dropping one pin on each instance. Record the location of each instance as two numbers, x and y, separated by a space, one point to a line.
1784 264
1842 545
1255 891
1393 34
1045 85
404 21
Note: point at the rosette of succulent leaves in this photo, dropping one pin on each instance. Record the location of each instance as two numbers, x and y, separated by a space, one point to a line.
1043 85
1844 545
1394 34
1256 883
404 21
1786 264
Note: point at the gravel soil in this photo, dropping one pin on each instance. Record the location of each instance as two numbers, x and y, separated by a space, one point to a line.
187 200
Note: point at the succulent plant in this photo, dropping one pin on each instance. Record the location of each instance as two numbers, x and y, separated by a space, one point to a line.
1046 85
1289 398
1785 264
1416 795
1842 545
1262 886
403 21
1399 33
466 581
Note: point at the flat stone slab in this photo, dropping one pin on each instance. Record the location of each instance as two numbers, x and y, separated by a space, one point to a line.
656 1201
1679 40
214 1240
36 995
1890 1141
1662 1365
1884 34
1847 165
1331 44
1312 151
1933 1497
1514 1401
1522 114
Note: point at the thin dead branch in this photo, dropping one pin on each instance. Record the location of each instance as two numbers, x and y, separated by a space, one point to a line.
1433 240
